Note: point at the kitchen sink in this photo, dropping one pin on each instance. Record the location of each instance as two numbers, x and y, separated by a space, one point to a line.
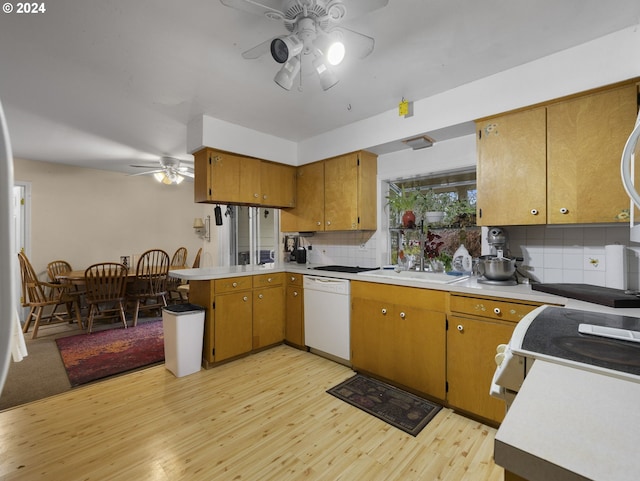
439 277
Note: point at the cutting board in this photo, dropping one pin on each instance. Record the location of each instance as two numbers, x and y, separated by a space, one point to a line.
605 296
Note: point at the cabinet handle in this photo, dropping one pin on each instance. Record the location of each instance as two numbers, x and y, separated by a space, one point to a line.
496 311
564 210
255 195
384 312
402 315
318 223
264 196
260 296
269 279
245 298
328 222
293 278
534 211
295 293
235 284
460 327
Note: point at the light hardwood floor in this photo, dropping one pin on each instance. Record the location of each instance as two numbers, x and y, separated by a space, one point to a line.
263 417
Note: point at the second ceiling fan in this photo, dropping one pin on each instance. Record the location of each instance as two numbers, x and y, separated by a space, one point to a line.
316 37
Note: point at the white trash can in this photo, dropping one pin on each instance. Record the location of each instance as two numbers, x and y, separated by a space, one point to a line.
183 326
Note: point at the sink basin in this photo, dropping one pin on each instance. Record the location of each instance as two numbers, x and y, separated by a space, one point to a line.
439 277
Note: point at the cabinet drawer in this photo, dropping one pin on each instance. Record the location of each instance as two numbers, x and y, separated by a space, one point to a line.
231 284
404 296
294 279
491 308
266 280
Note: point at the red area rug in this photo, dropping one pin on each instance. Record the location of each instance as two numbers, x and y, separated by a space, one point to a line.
88 357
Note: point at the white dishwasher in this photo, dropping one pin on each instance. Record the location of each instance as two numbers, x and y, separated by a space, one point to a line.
327 316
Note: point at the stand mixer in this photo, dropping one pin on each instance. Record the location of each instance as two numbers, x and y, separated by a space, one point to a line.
497 268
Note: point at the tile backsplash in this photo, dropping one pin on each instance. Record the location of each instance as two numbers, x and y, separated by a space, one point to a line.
551 254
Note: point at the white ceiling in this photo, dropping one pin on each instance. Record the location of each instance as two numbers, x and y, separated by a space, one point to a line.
107 83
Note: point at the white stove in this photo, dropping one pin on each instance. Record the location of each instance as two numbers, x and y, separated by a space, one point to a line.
607 344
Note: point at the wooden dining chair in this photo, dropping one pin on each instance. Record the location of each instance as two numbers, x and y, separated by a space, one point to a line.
58 268
39 295
183 289
149 288
106 293
179 260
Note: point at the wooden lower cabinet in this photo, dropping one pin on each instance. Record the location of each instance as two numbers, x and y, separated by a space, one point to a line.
294 317
268 316
476 326
233 325
398 334
471 347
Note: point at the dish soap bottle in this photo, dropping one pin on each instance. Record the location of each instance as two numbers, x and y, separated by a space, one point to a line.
461 260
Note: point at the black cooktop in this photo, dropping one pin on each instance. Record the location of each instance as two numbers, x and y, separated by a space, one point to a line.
347 269
554 333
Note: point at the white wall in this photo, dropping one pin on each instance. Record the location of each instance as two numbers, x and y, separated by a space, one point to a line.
86 216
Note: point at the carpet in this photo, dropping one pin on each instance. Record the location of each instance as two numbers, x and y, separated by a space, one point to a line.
88 357
394 406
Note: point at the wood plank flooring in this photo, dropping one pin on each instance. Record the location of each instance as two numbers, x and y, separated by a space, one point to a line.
263 417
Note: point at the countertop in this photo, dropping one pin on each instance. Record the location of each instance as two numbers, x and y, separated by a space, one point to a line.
571 424
468 285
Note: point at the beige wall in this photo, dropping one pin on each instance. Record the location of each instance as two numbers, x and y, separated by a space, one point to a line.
86 215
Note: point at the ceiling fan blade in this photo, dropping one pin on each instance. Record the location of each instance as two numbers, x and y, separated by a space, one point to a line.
259 50
357 8
147 172
263 8
357 44
144 166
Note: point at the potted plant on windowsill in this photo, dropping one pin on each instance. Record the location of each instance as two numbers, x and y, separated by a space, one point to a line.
402 204
433 206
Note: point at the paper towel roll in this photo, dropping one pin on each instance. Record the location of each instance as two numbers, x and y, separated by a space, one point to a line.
616 266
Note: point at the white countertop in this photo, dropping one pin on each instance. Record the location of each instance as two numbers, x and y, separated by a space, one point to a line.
571 424
465 286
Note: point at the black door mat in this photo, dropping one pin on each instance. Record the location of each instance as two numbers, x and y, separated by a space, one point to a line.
396 407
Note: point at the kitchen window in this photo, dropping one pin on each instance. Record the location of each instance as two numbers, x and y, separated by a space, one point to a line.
254 235
457 189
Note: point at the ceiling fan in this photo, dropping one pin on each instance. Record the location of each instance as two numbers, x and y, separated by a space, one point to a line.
170 171
315 37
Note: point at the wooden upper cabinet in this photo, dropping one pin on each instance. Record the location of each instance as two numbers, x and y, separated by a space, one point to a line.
511 174
278 184
585 139
558 163
308 215
223 177
335 194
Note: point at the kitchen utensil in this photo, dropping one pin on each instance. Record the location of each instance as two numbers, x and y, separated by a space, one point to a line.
496 268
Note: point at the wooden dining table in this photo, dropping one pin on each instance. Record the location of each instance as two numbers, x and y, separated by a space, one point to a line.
77 277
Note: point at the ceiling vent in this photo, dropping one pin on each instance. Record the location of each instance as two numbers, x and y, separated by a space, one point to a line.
418 143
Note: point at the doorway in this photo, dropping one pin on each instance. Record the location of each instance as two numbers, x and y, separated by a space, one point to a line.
22 234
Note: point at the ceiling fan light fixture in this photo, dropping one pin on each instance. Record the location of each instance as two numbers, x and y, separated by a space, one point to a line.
335 54
286 75
159 176
285 48
328 78
168 178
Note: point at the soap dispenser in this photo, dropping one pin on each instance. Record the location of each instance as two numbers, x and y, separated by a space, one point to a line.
462 261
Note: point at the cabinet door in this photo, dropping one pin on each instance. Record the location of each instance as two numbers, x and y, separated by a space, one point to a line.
268 316
585 138
471 348
249 188
341 193
233 325
511 172
294 319
372 329
308 214
278 184
418 342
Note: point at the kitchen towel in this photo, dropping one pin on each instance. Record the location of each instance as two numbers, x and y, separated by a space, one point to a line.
616 266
